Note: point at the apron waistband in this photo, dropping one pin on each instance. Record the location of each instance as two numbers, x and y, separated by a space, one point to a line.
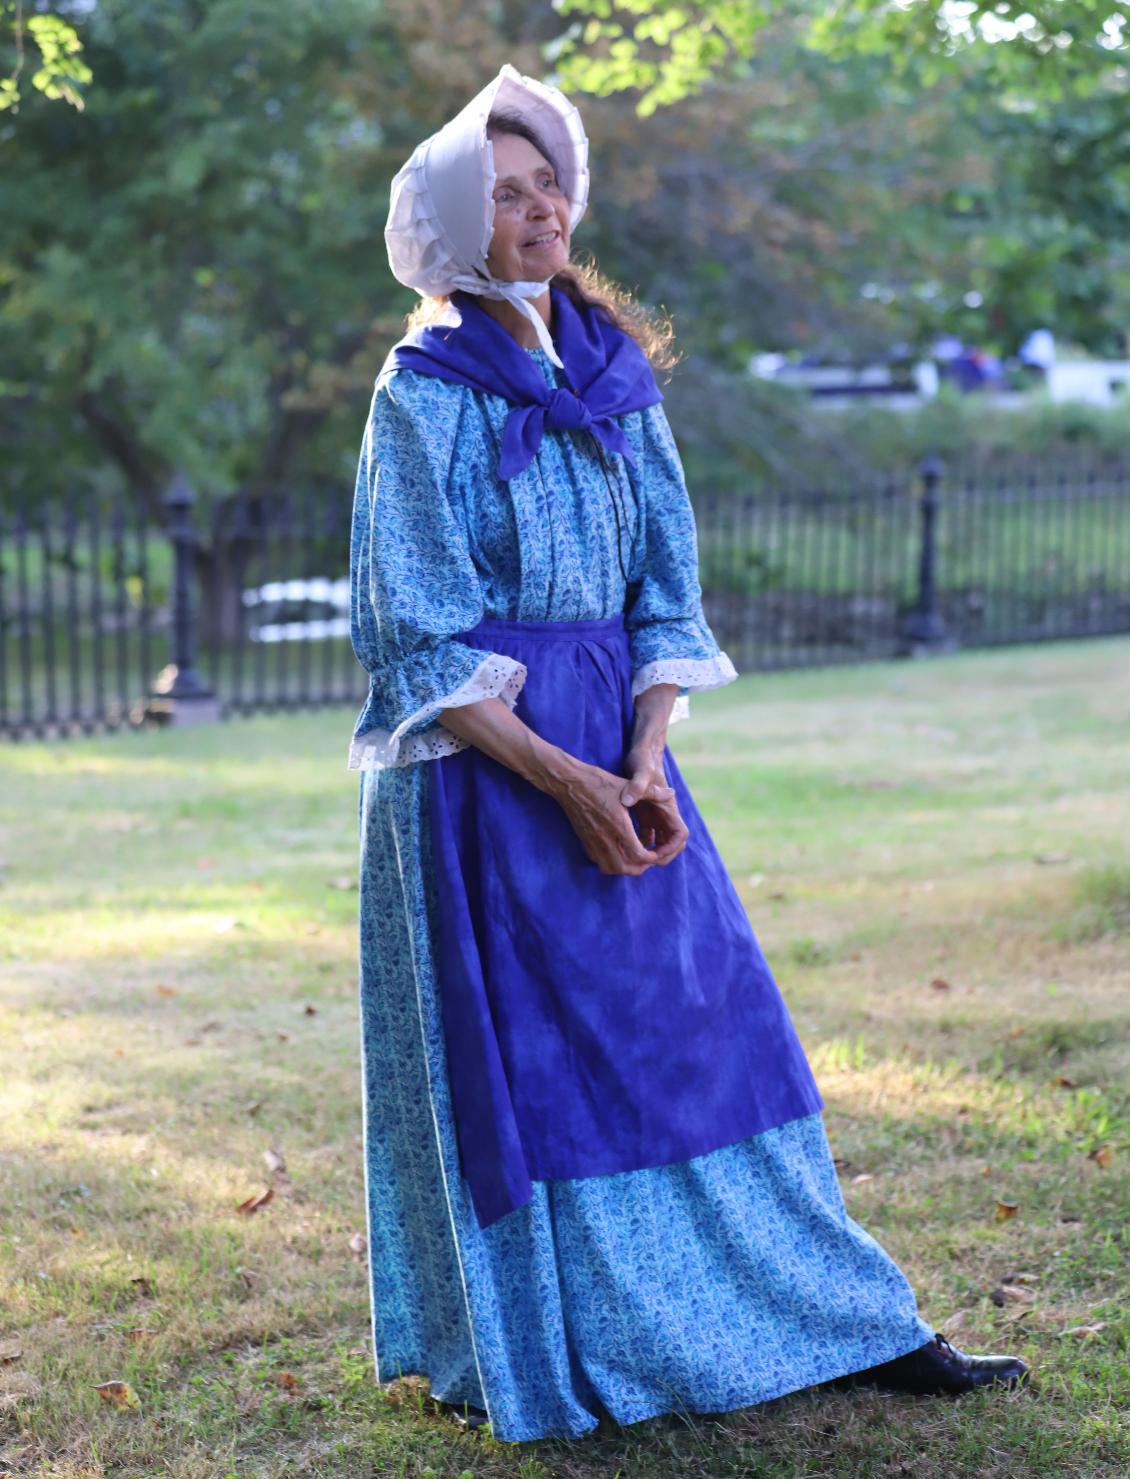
601 626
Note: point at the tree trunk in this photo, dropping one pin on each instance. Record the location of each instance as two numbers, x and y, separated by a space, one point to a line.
223 568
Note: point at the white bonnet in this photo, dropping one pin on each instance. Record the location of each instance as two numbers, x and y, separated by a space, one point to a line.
439 229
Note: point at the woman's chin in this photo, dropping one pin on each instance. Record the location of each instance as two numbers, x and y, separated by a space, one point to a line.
544 266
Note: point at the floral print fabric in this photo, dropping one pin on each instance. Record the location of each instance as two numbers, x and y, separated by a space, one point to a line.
439 542
714 1283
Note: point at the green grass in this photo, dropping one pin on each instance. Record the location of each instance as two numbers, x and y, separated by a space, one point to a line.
173 905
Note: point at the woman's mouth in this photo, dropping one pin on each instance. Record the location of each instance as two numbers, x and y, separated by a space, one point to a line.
546 238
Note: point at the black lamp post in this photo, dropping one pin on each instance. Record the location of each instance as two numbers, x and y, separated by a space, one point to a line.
922 630
179 692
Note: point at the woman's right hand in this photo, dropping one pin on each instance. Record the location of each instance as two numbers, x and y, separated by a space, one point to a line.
590 798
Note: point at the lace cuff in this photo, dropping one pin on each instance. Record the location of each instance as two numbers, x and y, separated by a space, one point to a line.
379 749
691 673
687 672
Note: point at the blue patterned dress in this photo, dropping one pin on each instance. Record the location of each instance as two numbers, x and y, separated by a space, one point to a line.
703 1286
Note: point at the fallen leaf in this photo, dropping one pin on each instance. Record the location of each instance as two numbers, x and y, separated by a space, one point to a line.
139 1333
254 1107
1085 1332
309 1010
249 1277
862 1177
357 1245
252 1204
275 1161
779 895
1061 1081
163 990
287 1380
213 1026
1017 1030
117 1393
1014 1292
193 1042
939 984
1102 1156
282 1036
1049 859
1005 1210
9 1353
955 1322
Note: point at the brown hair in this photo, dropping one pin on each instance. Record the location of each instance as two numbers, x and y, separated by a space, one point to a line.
582 282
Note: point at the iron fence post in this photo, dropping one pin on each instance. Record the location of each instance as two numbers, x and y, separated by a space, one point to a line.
923 630
179 693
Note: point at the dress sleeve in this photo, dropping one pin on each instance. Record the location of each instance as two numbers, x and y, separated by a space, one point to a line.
669 638
413 582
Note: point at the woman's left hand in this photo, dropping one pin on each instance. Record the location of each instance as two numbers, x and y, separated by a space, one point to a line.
653 801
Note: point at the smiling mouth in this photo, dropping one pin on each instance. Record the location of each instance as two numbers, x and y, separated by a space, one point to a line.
543 240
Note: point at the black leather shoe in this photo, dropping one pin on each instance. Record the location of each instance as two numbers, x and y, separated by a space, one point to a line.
463 1413
938 1369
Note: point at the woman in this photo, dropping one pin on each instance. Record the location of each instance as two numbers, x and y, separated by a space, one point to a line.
597 1173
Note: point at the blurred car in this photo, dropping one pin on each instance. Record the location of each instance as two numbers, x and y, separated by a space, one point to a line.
298 610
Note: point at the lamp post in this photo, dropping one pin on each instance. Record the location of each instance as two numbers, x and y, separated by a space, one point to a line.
179 694
922 631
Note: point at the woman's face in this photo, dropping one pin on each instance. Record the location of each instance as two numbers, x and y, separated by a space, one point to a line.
531 214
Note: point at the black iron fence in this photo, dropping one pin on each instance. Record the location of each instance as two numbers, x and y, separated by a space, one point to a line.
1033 552
109 618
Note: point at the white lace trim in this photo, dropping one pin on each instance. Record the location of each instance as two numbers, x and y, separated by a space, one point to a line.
379 749
687 672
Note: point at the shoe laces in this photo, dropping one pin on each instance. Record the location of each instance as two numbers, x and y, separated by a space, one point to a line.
946 1346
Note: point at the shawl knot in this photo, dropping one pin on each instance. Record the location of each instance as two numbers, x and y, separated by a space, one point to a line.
608 374
567 412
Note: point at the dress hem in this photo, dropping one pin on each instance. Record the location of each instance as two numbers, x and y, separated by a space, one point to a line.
753 1401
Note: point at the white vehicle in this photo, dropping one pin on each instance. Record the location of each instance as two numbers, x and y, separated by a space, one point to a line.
298 610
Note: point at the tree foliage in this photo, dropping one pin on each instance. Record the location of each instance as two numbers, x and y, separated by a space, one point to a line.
193 273
47 43
665 50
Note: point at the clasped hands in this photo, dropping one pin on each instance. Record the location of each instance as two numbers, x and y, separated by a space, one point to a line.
600 806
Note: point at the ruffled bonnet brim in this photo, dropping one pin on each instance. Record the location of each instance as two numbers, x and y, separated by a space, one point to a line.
438 232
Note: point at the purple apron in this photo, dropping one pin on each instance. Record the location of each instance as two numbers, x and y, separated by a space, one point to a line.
592 1023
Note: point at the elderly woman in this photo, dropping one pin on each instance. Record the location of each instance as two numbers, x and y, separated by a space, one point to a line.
597 1173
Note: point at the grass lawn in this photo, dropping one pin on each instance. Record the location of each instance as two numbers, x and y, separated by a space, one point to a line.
936 858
